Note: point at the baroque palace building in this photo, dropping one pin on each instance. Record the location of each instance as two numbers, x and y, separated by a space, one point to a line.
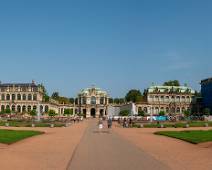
92 102
170 99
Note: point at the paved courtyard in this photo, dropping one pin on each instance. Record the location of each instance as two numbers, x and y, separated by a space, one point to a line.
104 150
82 146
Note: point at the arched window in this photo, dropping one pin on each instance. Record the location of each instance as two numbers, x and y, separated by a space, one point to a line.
2 97
167 98
93 100
13 108
34 107
29 97
167 110
19 109
34 97
7 107
13 97
178 110
102 100
29 108
18 97
178 98
24 97
84 100
8 97
2 107
156 110
172 98
46 109
187 99
145 109
23 109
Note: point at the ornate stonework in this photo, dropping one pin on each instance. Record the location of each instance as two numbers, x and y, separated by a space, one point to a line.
93 102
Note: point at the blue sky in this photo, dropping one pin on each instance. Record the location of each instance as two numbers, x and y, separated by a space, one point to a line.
114 44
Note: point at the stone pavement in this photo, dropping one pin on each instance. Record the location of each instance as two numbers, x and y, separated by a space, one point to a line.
50 151
105 150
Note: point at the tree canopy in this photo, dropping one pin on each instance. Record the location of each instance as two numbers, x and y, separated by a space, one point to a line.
45 96
62 99
52 113
133 96
172 83
68 112
124 113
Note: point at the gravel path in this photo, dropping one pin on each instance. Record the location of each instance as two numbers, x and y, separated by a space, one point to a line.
106 150
177 154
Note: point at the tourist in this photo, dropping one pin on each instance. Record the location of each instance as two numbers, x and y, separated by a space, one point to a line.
100 123
109 122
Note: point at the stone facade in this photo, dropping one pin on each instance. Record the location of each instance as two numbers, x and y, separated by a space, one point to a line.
170 99
93 102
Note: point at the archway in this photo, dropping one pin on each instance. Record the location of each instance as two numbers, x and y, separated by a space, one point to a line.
93 112
101 112
84 113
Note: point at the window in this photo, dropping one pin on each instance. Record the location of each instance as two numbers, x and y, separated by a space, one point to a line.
93 100
13 108
24 109
18 97
13 96
34 97
29 97
102 100
84 100
24 97
8 97
2 97
2 107
29 108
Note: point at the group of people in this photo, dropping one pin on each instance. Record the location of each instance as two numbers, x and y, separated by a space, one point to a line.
109 123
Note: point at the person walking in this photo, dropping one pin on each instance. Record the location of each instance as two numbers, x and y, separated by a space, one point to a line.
109 122
100 123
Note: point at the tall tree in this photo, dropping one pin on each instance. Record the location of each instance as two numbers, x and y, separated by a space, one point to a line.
133 96
55 95
172 83
45 94
71 100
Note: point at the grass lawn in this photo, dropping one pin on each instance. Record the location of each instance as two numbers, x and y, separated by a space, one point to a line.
193 136
11 136
14 123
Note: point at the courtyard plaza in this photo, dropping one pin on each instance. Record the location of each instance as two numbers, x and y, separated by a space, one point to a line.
83 146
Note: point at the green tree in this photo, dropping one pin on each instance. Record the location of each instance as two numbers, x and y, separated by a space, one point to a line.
161 113
33 113
45 94
52 113
55 95
124 113
7 111
110 100
121 101
68 112
116 101
71 100
133 96
172 83
206 111
141 113
187 113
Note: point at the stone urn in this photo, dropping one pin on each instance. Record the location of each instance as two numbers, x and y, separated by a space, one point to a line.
7 124
52 125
